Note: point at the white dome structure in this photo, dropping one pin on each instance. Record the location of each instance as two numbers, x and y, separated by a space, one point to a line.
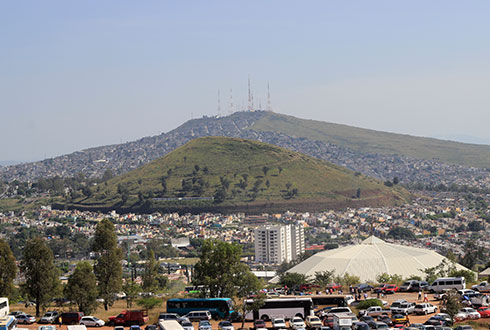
371 258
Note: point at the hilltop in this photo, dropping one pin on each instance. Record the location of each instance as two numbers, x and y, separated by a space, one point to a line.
218 173
377 154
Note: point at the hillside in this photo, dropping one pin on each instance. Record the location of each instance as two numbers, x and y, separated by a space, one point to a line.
217 173
376 154
371 141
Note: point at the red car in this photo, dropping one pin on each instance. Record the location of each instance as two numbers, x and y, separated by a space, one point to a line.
390 288
333 286
484 311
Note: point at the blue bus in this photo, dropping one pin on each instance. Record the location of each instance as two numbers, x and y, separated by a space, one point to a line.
8 323
220 308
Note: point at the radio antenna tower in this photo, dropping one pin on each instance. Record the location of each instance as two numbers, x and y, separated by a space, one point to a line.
250 97
219 105
230 110
269 106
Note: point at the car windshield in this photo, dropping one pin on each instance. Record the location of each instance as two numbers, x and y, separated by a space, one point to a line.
279 321
186 324
225 324
314 319
204 323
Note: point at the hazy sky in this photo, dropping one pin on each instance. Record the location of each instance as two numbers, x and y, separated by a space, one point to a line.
77 74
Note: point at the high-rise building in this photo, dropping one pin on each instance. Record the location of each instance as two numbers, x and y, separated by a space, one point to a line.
276 244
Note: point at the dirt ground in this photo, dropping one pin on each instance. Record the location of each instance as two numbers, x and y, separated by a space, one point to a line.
482 324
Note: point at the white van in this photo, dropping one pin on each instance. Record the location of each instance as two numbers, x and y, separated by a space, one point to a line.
441 284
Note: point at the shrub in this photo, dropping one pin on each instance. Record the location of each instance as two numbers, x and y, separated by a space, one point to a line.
369 302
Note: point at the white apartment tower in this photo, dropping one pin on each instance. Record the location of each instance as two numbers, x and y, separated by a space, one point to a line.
275 244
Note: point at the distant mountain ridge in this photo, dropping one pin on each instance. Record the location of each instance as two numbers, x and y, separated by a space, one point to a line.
378 154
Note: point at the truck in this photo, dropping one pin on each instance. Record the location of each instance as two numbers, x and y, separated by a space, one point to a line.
169 325
374 311
127 318
482 287
342 322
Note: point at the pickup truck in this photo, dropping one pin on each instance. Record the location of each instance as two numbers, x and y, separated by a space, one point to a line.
482 287
374 311
403 308
128 317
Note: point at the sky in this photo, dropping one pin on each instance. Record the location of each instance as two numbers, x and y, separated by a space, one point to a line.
79 74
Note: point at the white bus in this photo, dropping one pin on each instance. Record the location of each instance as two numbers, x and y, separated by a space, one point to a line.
286 308
4 307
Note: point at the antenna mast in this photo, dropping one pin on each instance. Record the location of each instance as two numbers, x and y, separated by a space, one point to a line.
219 105
250 97
230 110
269 106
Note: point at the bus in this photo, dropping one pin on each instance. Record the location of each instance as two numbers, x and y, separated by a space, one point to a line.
4 307
286 308
218 307
329 301
8 323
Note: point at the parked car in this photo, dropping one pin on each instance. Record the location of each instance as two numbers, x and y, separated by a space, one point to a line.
296 322
150 327
363 287
390 289
49 317
14 314
313 322
420 286
25 319
399 319
464 327
403 308
46 327
385 319
465 292
119 327
204 325
484 311
198 316
71 317
425 308
407 285
187 325
225 325
135 327
168 316
259 324
366 319
436 320
482 287
128 317
378 325
91 321
278 323
360 326
470 312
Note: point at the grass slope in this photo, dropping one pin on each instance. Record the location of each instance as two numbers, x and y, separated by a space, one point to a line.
371 141
206 163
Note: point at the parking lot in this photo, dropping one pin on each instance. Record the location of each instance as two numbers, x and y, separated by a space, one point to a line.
409 296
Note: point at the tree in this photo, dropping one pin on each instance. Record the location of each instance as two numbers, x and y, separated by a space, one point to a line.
323 278
452 302
292 280
219 268
8 269
257 302
265 169
108 268
396 180
131 290
150 276
82 288
401 233
40 272
358 193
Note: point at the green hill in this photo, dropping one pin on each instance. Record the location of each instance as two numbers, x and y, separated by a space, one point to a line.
371 141
238 174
